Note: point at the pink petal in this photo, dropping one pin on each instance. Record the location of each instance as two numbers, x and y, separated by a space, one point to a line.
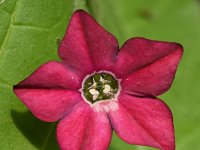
84 129
99 133
139 52
52 75
155 78
143 121
86 45
48 104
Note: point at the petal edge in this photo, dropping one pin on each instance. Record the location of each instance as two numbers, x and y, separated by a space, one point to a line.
144 121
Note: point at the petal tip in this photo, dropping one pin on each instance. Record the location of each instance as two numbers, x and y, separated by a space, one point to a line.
80 13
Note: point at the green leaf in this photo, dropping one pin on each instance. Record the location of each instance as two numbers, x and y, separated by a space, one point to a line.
29 31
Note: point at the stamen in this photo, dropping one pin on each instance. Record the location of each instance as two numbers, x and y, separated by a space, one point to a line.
95 97
94 85
94 92
100 86
107 89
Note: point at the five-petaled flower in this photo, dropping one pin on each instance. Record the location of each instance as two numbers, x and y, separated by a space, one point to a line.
98 88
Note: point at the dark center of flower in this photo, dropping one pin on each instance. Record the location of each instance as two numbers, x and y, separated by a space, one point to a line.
100 86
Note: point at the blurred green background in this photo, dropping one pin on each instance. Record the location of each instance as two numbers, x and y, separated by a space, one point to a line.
30 31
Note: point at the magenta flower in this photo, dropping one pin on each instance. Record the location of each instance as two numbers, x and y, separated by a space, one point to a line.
98 88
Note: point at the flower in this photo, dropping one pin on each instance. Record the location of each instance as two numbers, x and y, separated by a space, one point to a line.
98 88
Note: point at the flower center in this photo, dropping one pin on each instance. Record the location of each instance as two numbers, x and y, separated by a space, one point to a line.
100 86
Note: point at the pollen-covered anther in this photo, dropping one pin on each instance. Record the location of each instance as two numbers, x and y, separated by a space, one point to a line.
103 80
95 93
107 89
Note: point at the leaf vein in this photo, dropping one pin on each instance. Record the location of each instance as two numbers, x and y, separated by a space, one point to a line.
7 12
30 26
9 26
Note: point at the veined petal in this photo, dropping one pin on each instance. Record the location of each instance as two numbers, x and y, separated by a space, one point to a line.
48 104
86 45
139 52
99 133
84 129
143 121
71 129
153 79
52 75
